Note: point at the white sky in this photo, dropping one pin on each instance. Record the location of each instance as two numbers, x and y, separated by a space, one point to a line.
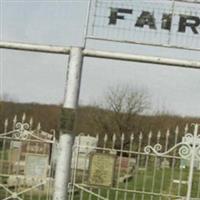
35 77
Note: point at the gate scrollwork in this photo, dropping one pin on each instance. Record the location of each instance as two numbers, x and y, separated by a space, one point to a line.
185 150
21 131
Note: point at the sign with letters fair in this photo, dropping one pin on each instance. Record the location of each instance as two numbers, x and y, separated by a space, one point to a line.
170 23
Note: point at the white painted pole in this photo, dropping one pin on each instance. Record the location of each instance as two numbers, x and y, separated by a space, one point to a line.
73 78
68 117
192 160
62 176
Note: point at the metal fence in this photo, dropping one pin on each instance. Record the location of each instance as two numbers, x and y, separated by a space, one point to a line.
130 167
151 166
26 165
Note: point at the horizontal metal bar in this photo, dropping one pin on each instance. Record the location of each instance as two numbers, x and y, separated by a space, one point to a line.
102 54
90 192
27 140
127 152
133 191
188 1
142 58
90 37
35 47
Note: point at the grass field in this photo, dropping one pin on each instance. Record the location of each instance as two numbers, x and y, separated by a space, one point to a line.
139 184
149 184
160 186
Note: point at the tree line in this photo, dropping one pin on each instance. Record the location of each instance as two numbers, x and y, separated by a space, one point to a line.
121 112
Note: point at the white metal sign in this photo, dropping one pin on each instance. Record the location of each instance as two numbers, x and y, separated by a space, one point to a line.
156 22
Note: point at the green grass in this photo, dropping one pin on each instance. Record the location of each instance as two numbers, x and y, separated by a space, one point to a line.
137 184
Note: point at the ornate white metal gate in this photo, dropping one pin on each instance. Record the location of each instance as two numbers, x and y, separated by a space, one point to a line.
26 166
163 167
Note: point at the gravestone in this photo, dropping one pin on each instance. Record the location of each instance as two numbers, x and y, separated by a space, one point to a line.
158 163
186 162
102 169
30 145
165 163
32 171
36 165
85 145
37 147
126 167
14 155
126 164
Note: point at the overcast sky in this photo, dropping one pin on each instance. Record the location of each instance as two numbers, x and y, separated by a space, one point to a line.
36 77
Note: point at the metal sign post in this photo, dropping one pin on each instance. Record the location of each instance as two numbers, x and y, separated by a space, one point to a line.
67 121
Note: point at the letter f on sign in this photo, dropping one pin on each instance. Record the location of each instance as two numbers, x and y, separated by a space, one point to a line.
114 14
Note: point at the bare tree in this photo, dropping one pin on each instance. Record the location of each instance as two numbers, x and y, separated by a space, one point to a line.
117 113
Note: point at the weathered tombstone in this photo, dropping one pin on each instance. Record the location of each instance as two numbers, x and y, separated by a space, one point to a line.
126 167
15 144
14 155
126 164
102 167
17 166
29 172
85 145
19 149
165 163
36 165
158 163
186 162
30 159
36 147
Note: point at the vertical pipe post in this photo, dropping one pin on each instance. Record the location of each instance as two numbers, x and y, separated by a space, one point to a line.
87 22
192 160
67 122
